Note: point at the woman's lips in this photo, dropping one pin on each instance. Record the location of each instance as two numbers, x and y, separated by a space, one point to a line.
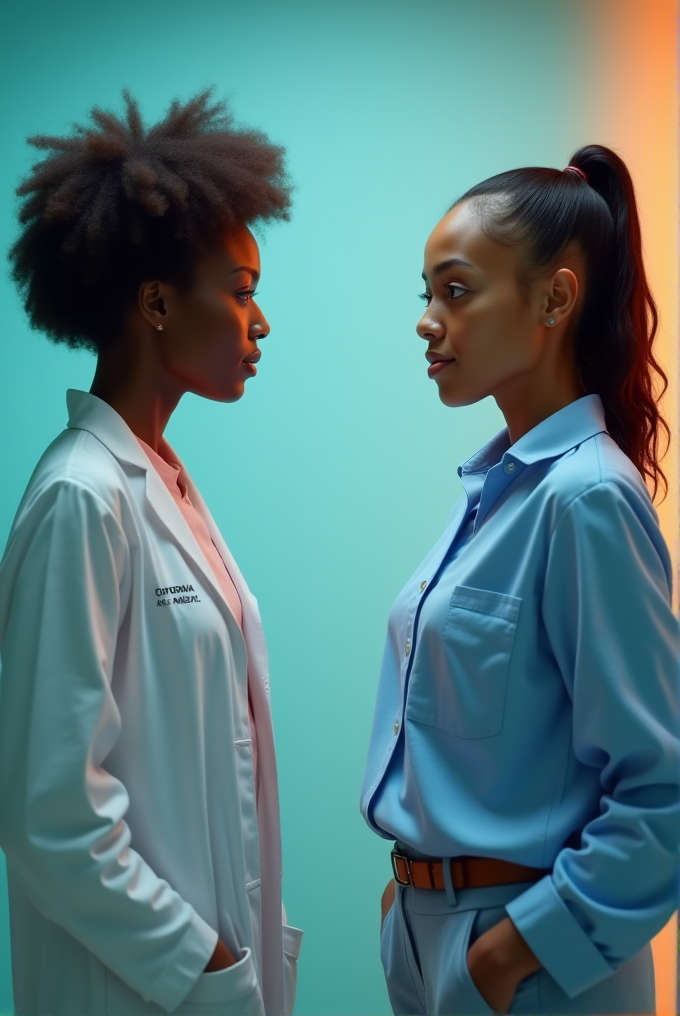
250 361
438 365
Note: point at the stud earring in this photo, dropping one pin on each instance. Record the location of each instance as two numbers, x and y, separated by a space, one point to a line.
159 327
551 320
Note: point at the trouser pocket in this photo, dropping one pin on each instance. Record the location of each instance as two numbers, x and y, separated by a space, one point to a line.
448 984
402 976
444 936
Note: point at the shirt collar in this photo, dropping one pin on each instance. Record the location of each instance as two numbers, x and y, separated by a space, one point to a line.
550 439
88 412
168 470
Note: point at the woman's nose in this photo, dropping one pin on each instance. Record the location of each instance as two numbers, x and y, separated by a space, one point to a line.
259 329
428 328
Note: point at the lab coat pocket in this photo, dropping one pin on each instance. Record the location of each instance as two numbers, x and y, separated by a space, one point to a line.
292 940
231 992
122 1000
467 696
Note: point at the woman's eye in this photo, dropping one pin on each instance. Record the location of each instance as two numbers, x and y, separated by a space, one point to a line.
455 292
246 295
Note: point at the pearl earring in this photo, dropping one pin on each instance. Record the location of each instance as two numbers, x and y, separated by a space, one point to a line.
551 320
159 327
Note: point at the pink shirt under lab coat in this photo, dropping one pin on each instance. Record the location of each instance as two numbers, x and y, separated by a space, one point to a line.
171 474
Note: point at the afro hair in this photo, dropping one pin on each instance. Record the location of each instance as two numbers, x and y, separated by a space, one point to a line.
114 204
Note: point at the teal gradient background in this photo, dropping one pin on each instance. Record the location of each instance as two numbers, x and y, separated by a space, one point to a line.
335 474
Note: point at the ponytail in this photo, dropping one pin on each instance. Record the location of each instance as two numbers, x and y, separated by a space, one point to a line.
592 205
620 364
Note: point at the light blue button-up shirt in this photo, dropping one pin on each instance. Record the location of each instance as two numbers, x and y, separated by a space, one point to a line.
527 707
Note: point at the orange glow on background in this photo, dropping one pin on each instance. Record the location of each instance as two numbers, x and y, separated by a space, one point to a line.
636 113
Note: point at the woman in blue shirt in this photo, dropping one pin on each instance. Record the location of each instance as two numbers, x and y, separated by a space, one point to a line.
525 751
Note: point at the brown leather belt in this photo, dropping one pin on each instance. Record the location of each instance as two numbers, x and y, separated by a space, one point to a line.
466 872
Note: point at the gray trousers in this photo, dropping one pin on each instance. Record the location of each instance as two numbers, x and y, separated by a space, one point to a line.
423 947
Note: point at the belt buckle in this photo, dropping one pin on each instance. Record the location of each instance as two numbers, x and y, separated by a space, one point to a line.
396 857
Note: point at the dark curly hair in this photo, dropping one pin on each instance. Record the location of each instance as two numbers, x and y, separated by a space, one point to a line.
545 210
115 203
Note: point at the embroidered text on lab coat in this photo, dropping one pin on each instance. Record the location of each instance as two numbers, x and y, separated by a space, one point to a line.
165 601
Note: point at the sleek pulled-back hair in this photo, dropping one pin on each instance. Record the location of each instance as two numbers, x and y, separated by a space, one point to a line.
544 211
115 204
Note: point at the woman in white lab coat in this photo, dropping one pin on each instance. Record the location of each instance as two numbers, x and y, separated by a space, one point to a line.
138 790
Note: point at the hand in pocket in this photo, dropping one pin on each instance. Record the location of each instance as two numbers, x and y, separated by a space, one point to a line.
497 962
221 959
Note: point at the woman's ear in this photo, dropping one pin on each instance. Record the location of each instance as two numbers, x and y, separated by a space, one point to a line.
151 303
561 298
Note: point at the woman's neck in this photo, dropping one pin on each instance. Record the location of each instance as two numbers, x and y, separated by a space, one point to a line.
529 399
129 378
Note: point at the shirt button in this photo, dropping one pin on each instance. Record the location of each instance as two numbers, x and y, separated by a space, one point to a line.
396 728
422 586
407 647
509 467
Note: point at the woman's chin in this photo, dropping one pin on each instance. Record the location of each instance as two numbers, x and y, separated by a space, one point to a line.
454 399
230 391
455 396
234 394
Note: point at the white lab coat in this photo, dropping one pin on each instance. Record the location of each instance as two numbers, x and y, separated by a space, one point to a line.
128 812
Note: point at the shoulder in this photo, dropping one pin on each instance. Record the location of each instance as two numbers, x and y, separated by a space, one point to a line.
72 515
598 500
597 474
79 468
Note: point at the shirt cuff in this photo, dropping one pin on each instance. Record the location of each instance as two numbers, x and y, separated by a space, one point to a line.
185 966
557 939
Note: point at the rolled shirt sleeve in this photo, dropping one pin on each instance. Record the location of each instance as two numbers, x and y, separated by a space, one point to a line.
607 613
63 588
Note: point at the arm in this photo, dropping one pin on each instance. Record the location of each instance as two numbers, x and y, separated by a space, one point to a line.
607 614
63 590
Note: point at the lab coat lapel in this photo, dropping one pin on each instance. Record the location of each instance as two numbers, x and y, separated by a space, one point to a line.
258 664
163 504
88 412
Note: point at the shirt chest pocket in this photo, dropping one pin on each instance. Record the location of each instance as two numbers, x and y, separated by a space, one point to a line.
461 678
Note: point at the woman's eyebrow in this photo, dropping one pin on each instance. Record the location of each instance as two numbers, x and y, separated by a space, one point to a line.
449 263
242 268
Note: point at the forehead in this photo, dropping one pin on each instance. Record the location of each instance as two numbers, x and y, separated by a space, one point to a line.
460 235
238 247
